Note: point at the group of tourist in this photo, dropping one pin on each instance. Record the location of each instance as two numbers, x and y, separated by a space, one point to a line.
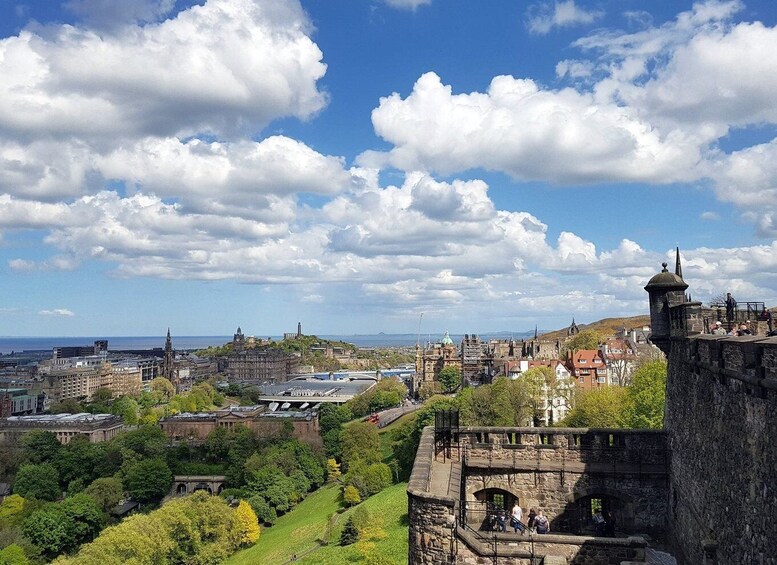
604 523
742 329
537 522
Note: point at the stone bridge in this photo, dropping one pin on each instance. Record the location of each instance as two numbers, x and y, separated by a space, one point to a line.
187 484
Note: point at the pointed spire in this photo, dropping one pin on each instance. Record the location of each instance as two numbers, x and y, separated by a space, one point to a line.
678 269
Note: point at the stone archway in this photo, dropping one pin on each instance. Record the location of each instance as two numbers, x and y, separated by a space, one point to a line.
577 516
180 489
489 503
202 486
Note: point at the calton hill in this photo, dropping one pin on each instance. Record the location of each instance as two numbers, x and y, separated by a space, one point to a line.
283 499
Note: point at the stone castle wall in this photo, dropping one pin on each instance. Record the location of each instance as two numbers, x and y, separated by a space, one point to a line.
552 468
721 416
431 516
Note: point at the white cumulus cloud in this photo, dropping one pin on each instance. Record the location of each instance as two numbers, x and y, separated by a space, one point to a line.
544 17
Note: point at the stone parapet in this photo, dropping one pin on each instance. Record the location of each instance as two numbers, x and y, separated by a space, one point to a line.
584 446
575 550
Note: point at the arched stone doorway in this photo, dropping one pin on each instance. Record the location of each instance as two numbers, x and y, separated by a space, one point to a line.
180 489
581 506
483 513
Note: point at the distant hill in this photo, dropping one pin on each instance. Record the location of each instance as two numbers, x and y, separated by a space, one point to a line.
607 326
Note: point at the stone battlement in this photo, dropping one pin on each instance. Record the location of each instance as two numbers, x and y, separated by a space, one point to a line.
448 513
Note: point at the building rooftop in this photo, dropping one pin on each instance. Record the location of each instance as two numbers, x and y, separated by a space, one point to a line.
62 418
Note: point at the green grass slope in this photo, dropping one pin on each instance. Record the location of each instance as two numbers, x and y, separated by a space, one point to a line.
299 532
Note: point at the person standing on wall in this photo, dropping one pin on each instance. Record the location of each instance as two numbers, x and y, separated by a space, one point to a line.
731 306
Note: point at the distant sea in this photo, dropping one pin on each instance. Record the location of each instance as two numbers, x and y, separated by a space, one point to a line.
115 343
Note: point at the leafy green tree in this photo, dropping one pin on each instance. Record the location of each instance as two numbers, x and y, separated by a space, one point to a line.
265 513
301 483
162 388
586 339
75 486
450 378
351 495
107 492
332 417
148 480
13 555
39 446
67 406
502 403
217 444
196 529
128 408
48 530
40 481
84 518
78 459
376 478
102 395
361 518
603 407
146 442
12 511
361 443
382 400
647 396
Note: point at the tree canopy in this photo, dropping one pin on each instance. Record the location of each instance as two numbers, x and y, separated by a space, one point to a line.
40 481
586 339
450 378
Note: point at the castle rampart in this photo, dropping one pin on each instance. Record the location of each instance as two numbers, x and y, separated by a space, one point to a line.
721 416
451 493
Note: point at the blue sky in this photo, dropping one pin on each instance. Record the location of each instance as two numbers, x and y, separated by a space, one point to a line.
352 164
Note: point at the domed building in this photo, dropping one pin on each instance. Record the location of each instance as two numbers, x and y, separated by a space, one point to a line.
432 359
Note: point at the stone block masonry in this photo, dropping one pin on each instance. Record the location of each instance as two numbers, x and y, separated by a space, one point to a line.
721 416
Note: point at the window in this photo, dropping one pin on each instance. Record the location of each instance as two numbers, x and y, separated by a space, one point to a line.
601 379
582 380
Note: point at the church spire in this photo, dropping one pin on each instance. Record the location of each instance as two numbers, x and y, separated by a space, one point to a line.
678 268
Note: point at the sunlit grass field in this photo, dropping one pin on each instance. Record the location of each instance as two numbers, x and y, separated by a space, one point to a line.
302 531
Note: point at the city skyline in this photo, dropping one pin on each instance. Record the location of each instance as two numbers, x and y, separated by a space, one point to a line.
203 165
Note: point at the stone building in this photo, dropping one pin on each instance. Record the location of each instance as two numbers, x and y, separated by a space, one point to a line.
261 365
78 383
432 359
126 378
262 421
95 427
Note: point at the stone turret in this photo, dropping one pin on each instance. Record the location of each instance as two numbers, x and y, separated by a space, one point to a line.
665 290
